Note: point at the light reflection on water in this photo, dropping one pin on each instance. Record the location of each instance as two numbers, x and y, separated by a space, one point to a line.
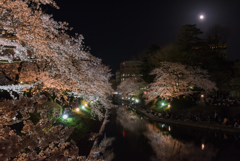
168 148
163 144
142 140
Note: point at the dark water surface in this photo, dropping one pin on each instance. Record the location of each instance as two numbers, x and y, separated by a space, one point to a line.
138 139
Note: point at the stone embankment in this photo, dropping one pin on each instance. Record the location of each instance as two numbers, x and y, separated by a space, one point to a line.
207 126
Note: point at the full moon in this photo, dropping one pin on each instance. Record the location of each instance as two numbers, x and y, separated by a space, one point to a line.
201 17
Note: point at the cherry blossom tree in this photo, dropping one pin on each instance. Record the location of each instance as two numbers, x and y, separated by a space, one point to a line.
62 64
132 85
44 137
174 79
27 28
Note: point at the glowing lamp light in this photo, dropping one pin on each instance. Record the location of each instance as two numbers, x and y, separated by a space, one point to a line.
169 128
132 98
202 95
85 104
136 100
203 146
169 105
77 109
163 104
65 116
201 17
83 107
123 63
21 82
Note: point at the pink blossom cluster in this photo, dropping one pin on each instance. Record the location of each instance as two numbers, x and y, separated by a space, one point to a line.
131 86
175 79
62 65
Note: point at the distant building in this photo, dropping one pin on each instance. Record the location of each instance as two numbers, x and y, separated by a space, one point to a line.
220 49
128 69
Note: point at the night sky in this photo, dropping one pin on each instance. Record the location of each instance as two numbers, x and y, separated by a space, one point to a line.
117 30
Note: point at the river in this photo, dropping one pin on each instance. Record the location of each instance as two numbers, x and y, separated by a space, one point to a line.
138 139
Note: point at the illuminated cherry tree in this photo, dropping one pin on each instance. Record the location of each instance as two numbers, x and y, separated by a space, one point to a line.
62 64
174 79
131 86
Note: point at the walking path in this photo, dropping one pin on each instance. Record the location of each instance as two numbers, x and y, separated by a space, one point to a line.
209 126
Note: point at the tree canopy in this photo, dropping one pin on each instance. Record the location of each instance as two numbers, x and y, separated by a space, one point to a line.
62 65
174 79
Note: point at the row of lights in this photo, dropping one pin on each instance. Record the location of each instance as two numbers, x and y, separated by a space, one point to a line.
83 107
163 104
65 116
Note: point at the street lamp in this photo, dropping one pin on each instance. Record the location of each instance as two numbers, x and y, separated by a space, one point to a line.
136 102
65 116
83 107
77 109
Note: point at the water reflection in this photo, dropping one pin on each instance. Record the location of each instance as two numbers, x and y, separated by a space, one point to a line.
168 148
130 121
163 144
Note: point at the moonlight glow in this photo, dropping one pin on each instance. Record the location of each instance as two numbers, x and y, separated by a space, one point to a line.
201 17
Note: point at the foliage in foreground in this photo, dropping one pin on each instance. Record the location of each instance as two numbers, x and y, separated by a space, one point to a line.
62 67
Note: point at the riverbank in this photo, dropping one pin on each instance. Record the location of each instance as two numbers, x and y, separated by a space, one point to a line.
208 126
